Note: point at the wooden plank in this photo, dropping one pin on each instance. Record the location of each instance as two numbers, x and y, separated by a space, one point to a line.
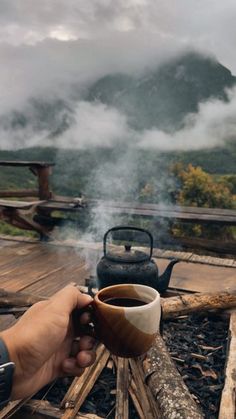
228 398
122 384
18 193
25 163
215 246
188 214
160 207
4 203
55 281
201 277
181 216
53 261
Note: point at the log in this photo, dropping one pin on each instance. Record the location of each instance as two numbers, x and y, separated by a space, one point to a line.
14 300
167 385
17 299
192 303
171 307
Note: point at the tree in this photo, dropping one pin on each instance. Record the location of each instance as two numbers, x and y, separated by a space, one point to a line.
199 189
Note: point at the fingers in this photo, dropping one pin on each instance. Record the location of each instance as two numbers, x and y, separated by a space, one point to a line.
85 318
86 358
84 343
70 298
75 366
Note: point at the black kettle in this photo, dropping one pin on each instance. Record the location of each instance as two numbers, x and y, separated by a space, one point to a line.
128 266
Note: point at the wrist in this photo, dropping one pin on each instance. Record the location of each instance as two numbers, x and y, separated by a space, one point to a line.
7 368
9 339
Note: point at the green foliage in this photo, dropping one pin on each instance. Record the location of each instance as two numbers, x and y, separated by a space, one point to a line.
10 230
153 177
199 189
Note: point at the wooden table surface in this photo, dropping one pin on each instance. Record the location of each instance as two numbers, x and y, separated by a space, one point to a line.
44 268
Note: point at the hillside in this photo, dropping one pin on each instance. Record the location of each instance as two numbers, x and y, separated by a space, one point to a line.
162 98
96 172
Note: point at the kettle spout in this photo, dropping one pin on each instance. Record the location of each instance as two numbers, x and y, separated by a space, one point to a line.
164 279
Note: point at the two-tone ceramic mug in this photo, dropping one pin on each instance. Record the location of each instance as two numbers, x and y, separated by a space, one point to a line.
127 318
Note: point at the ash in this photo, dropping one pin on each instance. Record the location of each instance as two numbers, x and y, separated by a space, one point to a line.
197 344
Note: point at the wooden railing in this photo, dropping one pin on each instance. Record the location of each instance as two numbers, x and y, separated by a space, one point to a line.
40 169
39 215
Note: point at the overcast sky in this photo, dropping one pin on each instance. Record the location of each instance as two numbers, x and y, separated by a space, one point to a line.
206 24
48 46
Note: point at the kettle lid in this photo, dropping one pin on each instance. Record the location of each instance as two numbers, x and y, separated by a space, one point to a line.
127 255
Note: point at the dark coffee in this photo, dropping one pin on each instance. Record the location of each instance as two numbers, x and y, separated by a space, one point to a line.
125 302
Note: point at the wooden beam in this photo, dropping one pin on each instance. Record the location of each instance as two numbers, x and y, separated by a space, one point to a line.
228 397
18 193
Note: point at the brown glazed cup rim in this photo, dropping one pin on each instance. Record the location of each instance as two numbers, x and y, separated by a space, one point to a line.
136 308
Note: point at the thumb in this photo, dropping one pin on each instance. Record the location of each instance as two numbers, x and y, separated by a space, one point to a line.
69 298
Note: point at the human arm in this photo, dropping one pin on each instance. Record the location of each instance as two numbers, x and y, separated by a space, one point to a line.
41 343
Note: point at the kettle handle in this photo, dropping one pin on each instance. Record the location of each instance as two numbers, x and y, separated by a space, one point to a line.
127 228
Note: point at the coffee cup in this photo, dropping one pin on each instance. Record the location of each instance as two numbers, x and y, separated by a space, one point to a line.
127 318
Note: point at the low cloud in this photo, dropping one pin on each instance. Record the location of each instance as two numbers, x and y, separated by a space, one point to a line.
210 127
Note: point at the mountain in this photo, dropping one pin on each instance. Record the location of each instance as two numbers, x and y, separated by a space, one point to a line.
162 98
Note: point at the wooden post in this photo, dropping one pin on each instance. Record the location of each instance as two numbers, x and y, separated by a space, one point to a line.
43 181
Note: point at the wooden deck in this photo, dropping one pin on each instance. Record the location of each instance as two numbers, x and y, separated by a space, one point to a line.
44 268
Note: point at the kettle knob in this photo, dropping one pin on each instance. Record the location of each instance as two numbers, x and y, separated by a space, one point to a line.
127 247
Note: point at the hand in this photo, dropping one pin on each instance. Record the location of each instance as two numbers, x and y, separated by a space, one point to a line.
41 343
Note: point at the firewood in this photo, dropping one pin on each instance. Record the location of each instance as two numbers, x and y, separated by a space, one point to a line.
83 385
167 386
191 303
145 397
122 400
17 299
228 398
10 299
12 408
33 408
